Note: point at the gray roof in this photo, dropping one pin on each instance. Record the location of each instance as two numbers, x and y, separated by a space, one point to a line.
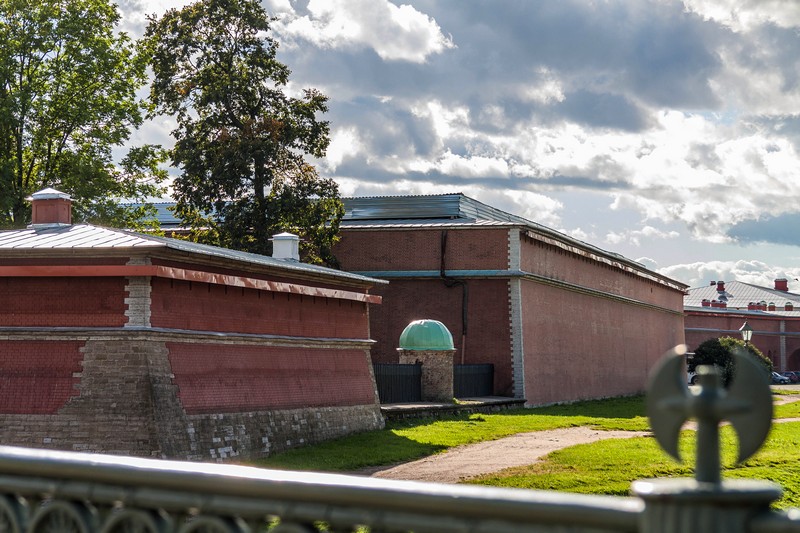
738 295
441 210
87 237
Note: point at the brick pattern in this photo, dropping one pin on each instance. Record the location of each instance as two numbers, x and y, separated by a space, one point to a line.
229 436
489 326
48 302
547 260
228 378
580 347
517 338
137 301
208 307
38 377
420 249
128 401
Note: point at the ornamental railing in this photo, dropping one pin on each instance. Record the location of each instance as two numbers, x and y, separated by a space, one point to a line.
47 491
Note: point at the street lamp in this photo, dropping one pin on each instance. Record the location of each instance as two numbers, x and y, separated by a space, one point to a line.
747 332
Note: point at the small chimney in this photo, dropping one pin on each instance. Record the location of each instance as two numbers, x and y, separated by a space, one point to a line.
51 208
789 306
713 283
286 246
782 284
771 306
706 303
720 286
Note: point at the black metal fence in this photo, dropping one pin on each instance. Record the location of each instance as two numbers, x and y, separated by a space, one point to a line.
472 381
398 383
403 383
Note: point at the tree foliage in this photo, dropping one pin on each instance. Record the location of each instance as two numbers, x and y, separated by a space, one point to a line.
718 351
68 86
241 141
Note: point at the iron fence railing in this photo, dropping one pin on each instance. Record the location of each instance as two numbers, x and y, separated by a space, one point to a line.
46 491
473 381
65 491
398 383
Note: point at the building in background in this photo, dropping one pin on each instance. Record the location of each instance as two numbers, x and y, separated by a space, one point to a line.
560 319
125 343
720 308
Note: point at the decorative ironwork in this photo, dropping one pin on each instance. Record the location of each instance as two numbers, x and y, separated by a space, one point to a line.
746 404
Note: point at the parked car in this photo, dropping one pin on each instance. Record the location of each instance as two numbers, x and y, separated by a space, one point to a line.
793 375
777 379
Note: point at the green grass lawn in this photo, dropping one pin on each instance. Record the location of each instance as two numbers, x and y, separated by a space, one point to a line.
610 466
604 467
413 439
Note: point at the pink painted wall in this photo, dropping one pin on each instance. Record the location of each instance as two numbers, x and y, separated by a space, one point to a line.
229 378
579 346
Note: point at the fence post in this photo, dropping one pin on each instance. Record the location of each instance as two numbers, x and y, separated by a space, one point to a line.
706 503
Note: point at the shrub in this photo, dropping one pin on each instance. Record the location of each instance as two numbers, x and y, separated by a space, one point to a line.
719 352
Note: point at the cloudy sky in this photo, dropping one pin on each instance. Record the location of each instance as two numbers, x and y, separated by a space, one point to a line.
666 131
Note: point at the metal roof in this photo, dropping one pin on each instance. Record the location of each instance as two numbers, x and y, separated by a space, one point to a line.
441 210
71 237
737 295
87 237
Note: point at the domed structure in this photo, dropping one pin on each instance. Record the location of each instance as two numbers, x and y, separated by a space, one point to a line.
426 335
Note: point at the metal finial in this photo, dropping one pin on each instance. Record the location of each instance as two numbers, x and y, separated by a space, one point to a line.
746 404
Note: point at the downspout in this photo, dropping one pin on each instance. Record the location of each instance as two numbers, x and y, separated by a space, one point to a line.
452 282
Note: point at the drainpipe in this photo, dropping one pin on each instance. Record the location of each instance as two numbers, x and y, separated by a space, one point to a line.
452 282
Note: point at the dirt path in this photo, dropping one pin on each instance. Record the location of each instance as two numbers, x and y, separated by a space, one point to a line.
472 460
464 462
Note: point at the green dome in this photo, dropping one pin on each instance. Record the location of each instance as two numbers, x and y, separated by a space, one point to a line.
426 335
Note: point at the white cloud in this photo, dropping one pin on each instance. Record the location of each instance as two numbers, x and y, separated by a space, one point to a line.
635 237
345 143
395 33
744 15
755 272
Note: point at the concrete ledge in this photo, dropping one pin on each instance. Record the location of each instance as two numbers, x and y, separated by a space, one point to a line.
488 404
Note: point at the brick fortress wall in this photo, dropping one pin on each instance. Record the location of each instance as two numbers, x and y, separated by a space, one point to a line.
94 385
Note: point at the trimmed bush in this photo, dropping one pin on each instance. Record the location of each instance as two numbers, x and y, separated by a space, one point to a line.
718 352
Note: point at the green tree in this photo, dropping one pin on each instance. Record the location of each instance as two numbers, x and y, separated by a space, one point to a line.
68 86
241 141
719 352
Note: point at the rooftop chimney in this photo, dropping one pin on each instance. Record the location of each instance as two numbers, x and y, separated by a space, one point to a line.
286 246
720 286
51 208
782 284
713 283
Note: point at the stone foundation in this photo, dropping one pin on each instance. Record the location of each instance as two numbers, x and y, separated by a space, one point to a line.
437 372
128 402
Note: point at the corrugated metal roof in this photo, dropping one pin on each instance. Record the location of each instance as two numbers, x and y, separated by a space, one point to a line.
738 295
440 210
95 238
66 237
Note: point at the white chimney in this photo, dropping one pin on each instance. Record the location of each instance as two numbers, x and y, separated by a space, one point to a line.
286 246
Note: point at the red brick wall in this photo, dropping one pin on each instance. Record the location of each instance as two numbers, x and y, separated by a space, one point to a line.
420 249
553 262
488 330
36 377
578 346
37 302
208 307
728 326
229 378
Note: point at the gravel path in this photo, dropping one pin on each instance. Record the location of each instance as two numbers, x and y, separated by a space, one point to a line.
472 460
463 462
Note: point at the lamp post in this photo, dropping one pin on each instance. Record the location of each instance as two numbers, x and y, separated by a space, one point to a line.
747 332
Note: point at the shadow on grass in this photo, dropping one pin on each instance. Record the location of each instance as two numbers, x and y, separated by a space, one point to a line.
625 407
354 452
